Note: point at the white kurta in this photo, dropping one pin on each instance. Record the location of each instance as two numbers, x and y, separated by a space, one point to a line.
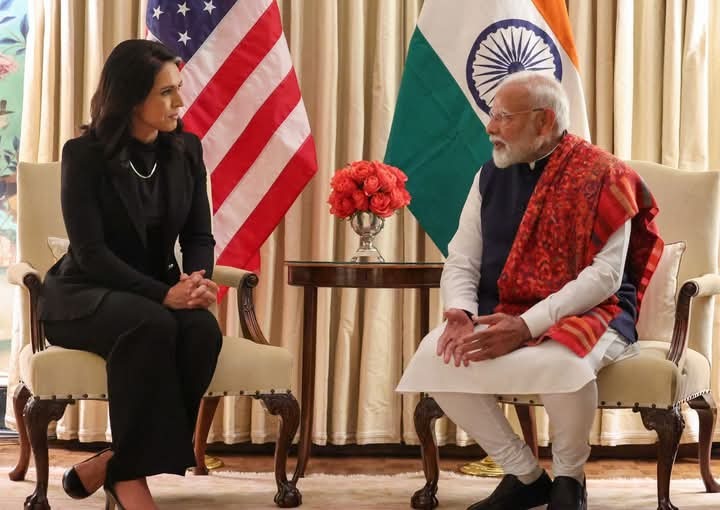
546 368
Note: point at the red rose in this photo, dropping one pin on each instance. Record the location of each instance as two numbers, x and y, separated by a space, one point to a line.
360 170
361 200
399 174
380 205
343 183
386 178
372 185
341 205
399 198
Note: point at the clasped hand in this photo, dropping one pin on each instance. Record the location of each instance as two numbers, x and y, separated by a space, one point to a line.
192 291
459 342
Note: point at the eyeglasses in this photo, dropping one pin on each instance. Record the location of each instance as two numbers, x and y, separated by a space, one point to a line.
505 116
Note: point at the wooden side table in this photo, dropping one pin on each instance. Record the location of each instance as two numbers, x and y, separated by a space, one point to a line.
311 276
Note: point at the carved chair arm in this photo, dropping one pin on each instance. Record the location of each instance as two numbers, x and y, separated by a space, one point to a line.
244 281
24 275
706 285
16 273
702 286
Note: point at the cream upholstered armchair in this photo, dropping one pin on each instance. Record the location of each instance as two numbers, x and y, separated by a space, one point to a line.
53 377
673 366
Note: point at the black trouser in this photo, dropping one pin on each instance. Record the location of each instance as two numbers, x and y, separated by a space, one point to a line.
159 365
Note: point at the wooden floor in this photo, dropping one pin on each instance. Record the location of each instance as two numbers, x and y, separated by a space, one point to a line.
605 467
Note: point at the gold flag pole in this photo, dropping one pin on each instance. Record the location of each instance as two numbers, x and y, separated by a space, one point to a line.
486 467
213 463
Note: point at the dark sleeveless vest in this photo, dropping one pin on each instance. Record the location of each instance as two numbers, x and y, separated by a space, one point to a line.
505 195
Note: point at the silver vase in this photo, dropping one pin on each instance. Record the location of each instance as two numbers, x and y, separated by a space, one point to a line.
367 225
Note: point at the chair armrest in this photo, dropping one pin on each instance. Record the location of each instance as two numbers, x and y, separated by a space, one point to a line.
702 286
17 272
234 277
705 285
244 281
24 275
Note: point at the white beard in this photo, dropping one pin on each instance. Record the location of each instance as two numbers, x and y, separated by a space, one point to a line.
517 153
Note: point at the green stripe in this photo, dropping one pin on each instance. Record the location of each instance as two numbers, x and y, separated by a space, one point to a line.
437 139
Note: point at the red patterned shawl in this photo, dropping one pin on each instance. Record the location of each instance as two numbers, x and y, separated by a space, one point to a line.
583 196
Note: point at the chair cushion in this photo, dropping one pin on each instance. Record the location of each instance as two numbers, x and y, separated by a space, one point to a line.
243 368
246 367
645 380
657 313
63 373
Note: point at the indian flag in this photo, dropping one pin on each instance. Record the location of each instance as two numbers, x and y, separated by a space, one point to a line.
459 53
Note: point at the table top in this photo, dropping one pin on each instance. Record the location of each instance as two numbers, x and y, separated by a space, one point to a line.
389 275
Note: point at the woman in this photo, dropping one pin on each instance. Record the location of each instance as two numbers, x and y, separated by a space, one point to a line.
132 184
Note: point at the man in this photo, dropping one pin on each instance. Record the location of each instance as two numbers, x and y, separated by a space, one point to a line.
542 287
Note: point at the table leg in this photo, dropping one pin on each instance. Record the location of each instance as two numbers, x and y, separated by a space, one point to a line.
424 312
308 378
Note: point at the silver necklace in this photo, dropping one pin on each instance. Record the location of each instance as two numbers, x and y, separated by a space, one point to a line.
141 175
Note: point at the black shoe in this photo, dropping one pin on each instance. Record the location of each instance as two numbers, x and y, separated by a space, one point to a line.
72 484
568 494
112 502
512 494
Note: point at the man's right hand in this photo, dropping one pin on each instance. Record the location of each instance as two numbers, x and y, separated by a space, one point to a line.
458 325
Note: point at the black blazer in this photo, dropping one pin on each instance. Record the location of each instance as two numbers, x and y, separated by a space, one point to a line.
107 232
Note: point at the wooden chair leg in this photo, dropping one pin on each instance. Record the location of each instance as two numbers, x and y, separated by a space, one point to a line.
707 415
208 406
38 415
526 416
669 425
426 412
286 407
20 398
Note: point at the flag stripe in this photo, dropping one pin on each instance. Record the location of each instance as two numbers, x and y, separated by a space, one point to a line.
243 101
234 71
252 141
236 208
556 16
445 149
266 215
201 68
240 111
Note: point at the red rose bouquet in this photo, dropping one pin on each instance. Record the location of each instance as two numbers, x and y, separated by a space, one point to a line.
368 186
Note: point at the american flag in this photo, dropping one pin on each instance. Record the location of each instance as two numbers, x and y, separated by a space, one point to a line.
242 99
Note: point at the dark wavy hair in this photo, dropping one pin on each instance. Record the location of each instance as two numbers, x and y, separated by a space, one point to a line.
126 80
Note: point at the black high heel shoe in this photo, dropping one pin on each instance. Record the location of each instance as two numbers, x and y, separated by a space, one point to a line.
111 500
72 484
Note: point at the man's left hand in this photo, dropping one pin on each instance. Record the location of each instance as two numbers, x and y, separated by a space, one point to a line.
505 333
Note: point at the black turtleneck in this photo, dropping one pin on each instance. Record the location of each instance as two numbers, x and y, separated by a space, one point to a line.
150 192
